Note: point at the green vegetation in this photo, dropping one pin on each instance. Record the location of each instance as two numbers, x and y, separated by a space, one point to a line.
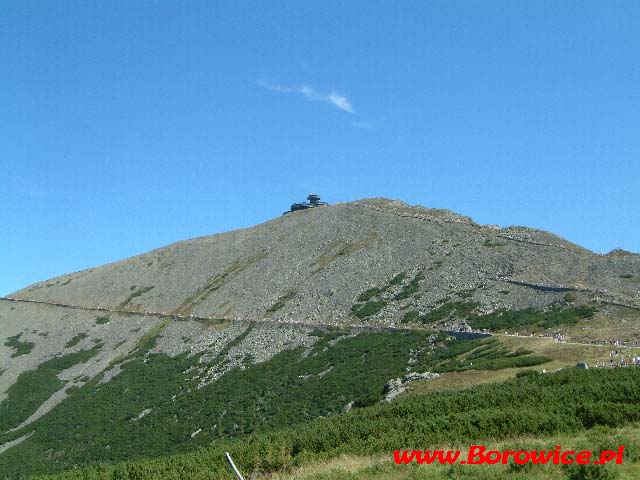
281 302
398 279
480 354
595 440
569 297
236 341
504 319
369 294
530 317
541 406
410 288
212 322
372 307
376 292
288 389
102 320
411 316
22 348
328 334
527 373
148 340
76 340
135 293
368 309
35 386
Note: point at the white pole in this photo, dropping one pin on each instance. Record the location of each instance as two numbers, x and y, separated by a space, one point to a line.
235 469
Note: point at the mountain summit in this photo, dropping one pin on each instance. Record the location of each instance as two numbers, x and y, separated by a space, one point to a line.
323 265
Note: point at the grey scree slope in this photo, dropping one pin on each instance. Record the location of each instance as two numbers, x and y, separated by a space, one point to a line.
313 264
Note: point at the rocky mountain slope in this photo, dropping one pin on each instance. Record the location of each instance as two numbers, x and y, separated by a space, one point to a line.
312 266
218 336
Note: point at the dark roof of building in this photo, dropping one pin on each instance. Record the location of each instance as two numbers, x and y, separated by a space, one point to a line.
314 201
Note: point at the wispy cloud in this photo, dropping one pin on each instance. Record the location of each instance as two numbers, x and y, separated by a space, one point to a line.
332 98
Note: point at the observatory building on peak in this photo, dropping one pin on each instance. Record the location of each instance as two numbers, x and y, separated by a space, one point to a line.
314 201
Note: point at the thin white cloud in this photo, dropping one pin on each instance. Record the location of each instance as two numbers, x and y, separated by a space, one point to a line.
333 98
341 102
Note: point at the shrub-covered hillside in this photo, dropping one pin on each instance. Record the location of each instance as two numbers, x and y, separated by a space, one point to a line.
548 405
157 405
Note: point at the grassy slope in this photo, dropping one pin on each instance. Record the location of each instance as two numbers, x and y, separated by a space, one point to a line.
562 355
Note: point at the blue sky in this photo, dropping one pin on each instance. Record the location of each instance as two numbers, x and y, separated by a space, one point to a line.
127 125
